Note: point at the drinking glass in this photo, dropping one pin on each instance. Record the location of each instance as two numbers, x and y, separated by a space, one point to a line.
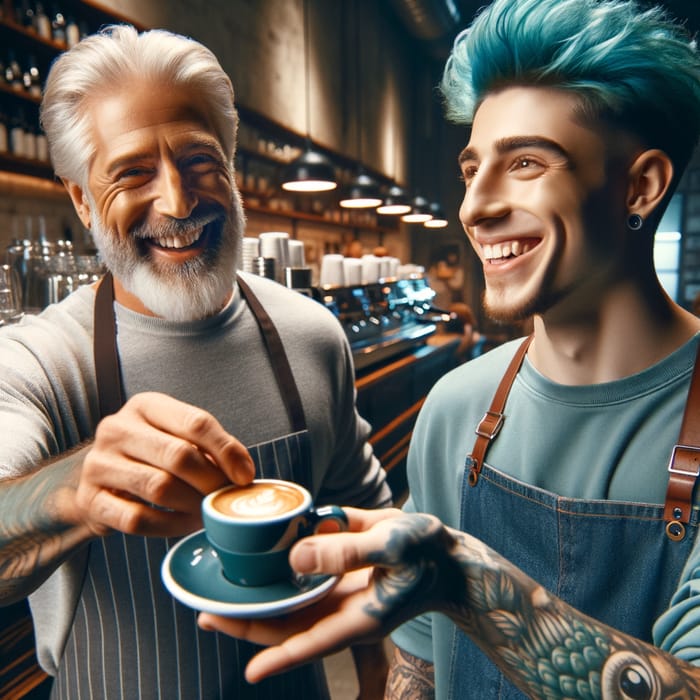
11 309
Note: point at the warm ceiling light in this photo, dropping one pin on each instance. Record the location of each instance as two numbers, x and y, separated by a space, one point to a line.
420 211
395 202
362 193
310 172
439 219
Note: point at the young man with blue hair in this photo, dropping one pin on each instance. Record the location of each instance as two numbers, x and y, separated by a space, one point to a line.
566 548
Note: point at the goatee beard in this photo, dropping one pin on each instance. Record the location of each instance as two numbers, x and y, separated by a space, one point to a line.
189 291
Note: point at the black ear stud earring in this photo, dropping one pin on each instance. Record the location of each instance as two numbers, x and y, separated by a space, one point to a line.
634 222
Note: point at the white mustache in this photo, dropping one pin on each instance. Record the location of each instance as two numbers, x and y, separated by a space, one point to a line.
176 228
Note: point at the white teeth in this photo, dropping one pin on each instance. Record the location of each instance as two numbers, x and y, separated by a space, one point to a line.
504 249
180 241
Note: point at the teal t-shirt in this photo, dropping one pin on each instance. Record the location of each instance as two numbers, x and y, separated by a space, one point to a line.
603 441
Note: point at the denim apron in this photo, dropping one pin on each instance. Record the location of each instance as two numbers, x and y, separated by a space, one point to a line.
617 562
129 638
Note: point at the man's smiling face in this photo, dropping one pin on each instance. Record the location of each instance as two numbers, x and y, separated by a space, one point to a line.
161 199
542 203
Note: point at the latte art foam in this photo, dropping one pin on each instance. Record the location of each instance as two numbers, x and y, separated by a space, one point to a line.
258 501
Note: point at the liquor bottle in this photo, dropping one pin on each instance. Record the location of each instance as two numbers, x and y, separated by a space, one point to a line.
42 146
58 26
28 19
13 72
31 78
29 141
72 32
4 144
43 23
17 134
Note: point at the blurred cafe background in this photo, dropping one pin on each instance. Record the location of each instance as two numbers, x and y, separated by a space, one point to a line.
340 93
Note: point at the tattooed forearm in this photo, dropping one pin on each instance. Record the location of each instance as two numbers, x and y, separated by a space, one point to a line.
33 537
550 650
544 646
410 678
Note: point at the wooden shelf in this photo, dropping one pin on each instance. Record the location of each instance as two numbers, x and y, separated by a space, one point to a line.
295 215
11 164
31 36
255 153
20 95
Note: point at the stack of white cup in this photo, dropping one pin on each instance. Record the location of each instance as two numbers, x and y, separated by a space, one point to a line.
338 271
332 274
296 253
352 271
371 269
275 244
250 250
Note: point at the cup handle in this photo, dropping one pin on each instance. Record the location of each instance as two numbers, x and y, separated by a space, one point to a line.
324 514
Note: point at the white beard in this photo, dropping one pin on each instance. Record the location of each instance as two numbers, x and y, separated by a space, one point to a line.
187 292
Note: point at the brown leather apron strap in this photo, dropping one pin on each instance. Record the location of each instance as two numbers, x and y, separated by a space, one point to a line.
278 357
493 419
684 465
109 383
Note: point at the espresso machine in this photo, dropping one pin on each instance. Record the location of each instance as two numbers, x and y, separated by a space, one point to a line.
386 318
385 308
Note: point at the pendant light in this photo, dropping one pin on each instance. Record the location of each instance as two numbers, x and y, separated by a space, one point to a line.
311 171
419 213
439 219
363 191
395 203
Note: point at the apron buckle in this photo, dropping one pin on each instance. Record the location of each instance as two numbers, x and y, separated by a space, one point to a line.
683 468
490 425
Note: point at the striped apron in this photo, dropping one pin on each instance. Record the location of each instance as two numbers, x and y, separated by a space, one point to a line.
130 639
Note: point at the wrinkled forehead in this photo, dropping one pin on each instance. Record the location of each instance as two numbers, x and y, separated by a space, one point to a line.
139 117
146 104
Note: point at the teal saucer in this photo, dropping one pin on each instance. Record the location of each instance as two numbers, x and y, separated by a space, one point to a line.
192 574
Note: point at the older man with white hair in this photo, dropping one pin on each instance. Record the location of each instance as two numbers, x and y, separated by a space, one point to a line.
121 406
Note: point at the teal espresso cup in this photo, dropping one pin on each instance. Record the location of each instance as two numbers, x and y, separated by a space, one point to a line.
253 527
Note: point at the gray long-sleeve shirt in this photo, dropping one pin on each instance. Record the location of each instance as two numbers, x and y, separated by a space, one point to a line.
48 400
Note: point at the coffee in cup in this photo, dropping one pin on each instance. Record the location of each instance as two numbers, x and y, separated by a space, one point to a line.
259 501
253 527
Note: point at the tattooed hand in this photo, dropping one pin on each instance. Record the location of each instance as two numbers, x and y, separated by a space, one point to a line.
412 572
397 565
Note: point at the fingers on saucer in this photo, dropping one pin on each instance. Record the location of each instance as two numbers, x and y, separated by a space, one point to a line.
265 631
327 636
332 553
337 553
231 626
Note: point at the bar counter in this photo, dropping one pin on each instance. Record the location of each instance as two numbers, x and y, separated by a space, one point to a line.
390 396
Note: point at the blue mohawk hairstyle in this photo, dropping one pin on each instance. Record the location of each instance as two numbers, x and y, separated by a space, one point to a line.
631 67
